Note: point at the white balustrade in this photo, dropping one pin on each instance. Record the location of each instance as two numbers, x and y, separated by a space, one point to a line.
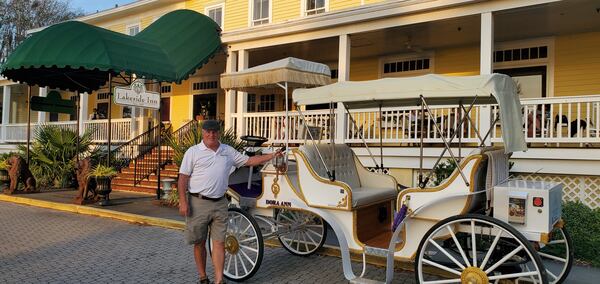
547 120
271 125
121 130
559 120
403 125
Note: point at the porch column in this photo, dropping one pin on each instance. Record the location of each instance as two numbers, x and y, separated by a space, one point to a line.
486 63
5 111
486 66
242 97
83 111
343 75
42 115
231 66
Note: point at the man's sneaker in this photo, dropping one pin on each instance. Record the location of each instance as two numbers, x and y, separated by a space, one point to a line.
204 281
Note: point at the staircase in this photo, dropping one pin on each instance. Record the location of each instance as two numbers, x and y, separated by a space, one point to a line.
126 180
137 160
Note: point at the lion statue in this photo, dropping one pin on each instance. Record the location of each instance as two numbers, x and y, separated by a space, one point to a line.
19 172
86 191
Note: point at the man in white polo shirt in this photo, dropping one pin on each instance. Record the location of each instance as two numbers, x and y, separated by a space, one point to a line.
204 173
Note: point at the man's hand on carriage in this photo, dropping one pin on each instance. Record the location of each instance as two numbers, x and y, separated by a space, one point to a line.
261 159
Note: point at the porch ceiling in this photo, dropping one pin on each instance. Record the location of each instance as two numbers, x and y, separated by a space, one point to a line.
560 18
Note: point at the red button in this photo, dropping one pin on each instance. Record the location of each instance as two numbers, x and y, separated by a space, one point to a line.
538 202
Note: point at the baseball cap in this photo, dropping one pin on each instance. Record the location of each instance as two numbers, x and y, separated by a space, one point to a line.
211 125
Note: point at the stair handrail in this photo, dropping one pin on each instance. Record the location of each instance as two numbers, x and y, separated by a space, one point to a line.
181 131
135 150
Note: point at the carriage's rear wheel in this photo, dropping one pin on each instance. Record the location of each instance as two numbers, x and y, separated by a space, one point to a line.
477 249
244 246
557 255
303 232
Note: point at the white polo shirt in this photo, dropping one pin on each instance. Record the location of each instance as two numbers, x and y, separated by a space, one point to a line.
208 170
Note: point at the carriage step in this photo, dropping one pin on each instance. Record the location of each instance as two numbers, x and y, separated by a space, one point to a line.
376 251
360 280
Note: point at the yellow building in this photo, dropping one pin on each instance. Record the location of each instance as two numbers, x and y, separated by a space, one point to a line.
550 47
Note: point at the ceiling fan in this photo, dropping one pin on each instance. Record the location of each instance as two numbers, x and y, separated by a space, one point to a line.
409 46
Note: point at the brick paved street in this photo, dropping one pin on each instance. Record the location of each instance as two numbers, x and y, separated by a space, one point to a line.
45 246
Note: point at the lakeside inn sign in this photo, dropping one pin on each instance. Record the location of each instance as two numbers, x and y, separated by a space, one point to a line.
136 96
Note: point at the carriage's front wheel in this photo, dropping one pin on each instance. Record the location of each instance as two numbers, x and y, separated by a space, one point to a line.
301 233
244 246
477 249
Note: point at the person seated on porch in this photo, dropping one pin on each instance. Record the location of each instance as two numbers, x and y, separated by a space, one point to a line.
94 115
540 116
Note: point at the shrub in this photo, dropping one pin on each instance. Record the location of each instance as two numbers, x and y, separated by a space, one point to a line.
194 136
103 171
53 154
584 225
442 171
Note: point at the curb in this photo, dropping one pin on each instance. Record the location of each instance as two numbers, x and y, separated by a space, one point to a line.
86 210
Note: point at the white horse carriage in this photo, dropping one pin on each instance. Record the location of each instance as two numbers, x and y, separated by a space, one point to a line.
477 226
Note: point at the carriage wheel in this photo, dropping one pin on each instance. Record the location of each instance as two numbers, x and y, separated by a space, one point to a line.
244 247
557 255
477 249
303 232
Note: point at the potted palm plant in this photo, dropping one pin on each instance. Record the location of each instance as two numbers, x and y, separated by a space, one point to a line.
103 176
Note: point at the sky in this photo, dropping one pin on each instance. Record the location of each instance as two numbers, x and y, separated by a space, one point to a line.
90 6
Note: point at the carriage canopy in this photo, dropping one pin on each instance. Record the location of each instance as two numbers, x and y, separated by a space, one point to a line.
437 90
296 72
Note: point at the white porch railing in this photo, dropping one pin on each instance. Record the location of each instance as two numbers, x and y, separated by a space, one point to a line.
548 120
271 125
403 125
121 130
559 120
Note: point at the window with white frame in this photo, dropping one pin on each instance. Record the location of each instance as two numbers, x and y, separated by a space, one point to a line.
261 103
313 7
406 65
266 103
260 12
133 29
215 13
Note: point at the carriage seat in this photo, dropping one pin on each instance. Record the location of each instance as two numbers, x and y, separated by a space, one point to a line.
367 188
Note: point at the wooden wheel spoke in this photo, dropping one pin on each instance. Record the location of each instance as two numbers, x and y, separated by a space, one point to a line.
249 248
443 267
243 264
247 257
462 252
552 257
442 281
504 259
513 275
248 239
490 251
473 243
447 254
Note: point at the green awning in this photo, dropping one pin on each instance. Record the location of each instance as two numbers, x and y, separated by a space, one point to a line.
188 38
78 56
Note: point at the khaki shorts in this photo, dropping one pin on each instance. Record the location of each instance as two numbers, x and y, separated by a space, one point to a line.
205 214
